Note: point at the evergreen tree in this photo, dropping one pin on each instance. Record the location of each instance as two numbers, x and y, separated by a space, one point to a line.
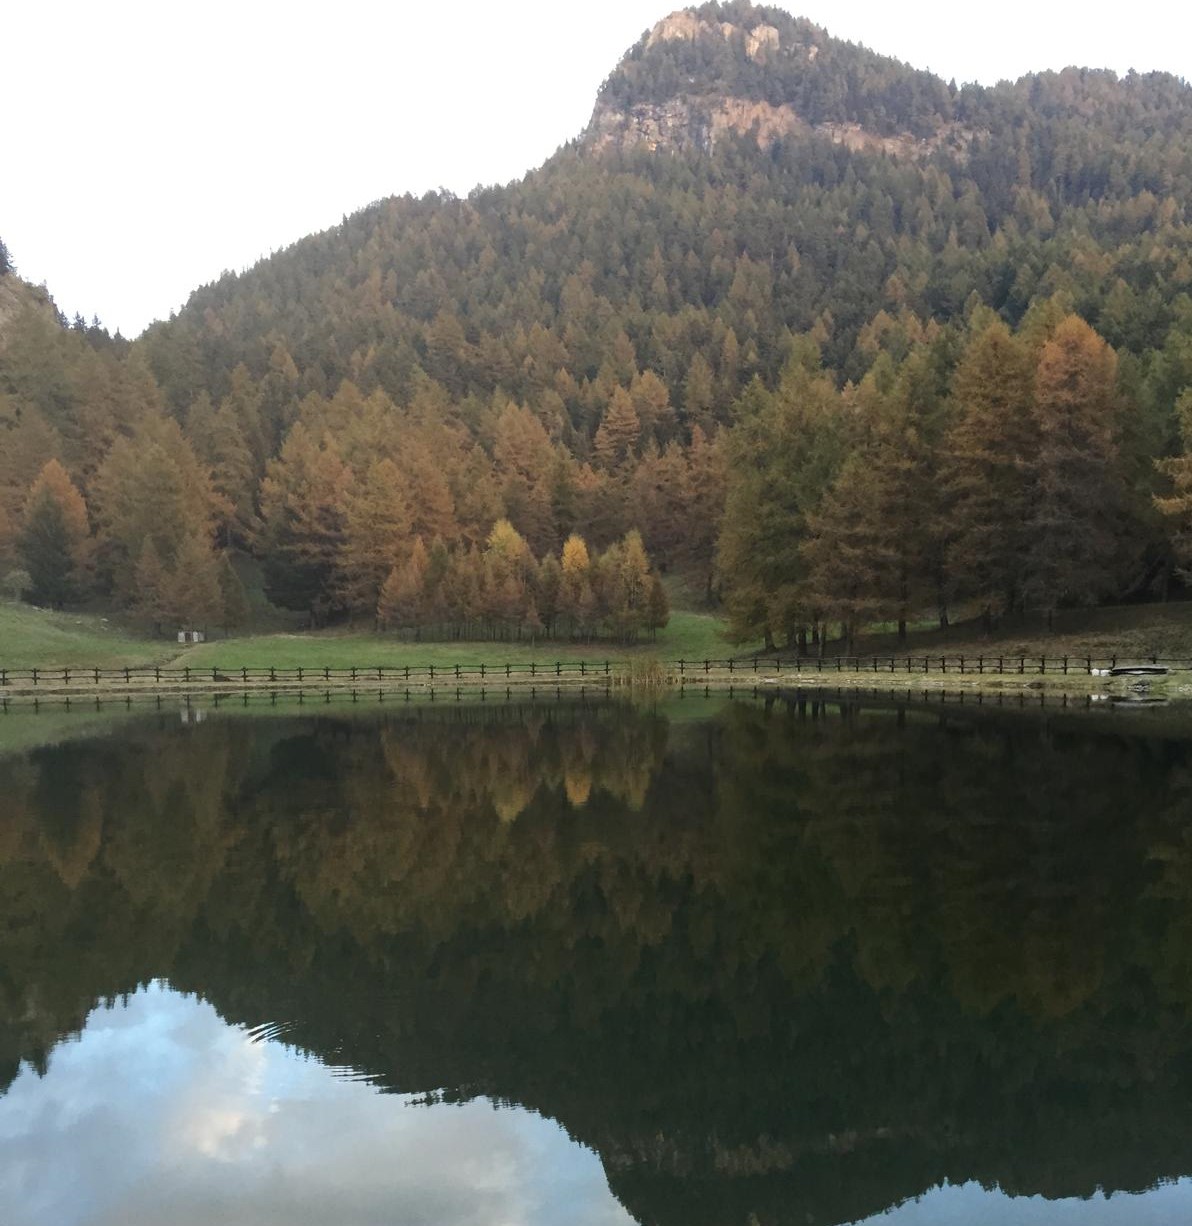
54 543
191 595
783 452
45 549
657 607
149 588
616 439
219 441
302 512
549 592
1077 483
985 470
376 535
150 484
403 602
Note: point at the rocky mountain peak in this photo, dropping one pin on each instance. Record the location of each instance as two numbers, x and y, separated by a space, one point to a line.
701 75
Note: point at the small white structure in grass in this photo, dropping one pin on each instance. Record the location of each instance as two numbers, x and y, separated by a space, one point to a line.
191 636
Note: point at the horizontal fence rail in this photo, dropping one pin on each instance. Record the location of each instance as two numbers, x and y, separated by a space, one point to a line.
598 670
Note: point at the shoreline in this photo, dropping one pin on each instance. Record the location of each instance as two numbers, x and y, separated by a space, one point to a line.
491 684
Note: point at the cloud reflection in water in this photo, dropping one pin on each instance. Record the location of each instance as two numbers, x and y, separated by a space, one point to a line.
162 1112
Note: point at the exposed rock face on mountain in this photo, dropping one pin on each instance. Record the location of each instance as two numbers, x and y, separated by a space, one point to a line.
686 124
685 25
694 119
700 124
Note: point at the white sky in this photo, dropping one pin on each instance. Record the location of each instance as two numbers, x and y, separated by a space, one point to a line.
146 146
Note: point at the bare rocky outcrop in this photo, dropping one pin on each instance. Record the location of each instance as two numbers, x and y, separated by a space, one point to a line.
686 26
698 121
686 124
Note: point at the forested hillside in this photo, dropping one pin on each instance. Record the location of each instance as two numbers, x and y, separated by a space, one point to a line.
842 341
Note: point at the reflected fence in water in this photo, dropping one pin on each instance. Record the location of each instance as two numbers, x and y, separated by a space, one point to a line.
200 701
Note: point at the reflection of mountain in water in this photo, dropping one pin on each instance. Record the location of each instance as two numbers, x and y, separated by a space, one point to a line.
800 965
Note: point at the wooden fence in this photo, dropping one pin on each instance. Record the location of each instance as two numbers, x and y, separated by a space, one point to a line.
144 676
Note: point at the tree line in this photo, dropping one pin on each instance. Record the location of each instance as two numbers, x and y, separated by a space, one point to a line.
994 472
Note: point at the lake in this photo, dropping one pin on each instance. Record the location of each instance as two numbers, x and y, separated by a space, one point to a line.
816 959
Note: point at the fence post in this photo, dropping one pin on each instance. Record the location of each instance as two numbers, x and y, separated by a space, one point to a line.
1065 666
943 664
1042 665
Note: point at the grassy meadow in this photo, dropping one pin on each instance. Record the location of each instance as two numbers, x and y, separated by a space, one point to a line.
38 638
34 638
688 636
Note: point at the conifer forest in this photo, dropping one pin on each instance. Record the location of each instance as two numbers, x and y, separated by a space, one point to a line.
889 350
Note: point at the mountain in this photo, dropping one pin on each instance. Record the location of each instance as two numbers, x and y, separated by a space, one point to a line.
752 199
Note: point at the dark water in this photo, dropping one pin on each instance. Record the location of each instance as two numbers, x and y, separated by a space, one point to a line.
741 964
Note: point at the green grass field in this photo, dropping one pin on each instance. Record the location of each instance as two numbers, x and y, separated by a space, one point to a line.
34 638
689 636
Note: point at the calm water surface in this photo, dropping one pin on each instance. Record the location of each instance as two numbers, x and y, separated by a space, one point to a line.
805 962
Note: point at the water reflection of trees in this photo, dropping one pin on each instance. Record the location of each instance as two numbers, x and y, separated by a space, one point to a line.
794 963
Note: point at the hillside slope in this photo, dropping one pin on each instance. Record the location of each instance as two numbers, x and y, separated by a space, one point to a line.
753 200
